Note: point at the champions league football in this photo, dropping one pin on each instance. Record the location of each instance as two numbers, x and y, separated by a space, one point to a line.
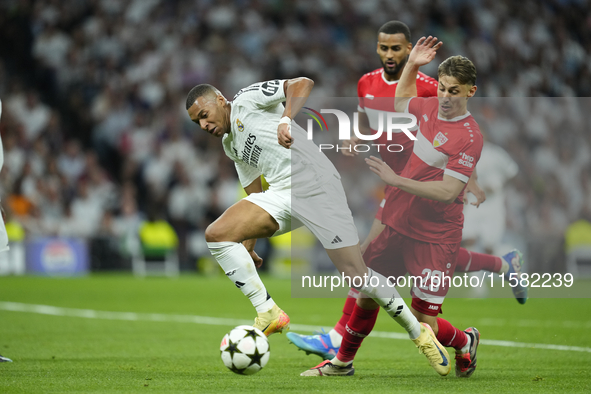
245 350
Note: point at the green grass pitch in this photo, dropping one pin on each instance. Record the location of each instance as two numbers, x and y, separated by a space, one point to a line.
63 354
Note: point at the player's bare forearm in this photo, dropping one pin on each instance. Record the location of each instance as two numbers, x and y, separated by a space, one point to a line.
255 187
445 191
376 228
249 244
407 87
297 91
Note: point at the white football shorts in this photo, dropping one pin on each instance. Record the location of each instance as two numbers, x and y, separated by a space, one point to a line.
321 207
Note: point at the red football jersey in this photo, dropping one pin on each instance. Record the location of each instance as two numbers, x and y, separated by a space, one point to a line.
376 98
451 147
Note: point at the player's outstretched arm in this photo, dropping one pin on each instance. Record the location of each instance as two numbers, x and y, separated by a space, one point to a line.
422 53
445 191
297 91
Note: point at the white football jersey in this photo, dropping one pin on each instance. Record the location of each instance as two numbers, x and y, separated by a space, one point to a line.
252 142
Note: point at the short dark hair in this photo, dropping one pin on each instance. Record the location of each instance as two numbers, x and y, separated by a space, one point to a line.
459 67
395 27
198 91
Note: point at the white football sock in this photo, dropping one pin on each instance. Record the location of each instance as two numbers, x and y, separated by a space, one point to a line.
239 268
388 298
339 363
335 338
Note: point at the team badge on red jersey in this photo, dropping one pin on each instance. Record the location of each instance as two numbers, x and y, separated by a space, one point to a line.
439 140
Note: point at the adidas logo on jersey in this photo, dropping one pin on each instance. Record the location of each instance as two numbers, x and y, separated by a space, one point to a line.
336 240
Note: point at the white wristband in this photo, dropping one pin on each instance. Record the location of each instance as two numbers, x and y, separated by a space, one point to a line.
286 120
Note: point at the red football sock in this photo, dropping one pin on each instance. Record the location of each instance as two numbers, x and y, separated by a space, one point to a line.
450 336
472 261
347 310
359 326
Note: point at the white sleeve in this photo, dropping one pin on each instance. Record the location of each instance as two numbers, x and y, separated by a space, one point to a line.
264 94
246 173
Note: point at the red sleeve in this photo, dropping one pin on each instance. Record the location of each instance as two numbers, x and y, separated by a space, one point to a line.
463 157
426 86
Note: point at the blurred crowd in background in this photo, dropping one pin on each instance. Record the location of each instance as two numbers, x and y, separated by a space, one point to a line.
96 137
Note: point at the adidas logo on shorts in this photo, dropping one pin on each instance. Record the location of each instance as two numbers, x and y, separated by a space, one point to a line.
336 240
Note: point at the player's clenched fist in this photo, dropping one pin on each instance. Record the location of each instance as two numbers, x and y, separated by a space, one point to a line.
284 136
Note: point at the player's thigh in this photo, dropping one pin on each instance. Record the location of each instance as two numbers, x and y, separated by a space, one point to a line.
431 268
323 209
243 220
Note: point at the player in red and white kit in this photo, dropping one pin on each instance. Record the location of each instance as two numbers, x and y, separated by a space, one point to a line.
423 211
376 91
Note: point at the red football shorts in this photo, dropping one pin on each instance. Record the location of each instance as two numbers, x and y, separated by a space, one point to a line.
393 255
380 210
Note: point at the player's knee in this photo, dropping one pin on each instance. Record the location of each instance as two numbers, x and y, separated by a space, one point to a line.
215 233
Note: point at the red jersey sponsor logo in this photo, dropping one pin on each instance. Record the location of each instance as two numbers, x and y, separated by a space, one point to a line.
466 160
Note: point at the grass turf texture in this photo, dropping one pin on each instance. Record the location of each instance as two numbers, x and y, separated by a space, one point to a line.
71 354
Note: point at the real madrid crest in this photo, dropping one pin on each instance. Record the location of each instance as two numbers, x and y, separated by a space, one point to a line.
240 125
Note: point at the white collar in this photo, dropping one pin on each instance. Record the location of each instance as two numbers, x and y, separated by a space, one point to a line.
388 82
459 117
